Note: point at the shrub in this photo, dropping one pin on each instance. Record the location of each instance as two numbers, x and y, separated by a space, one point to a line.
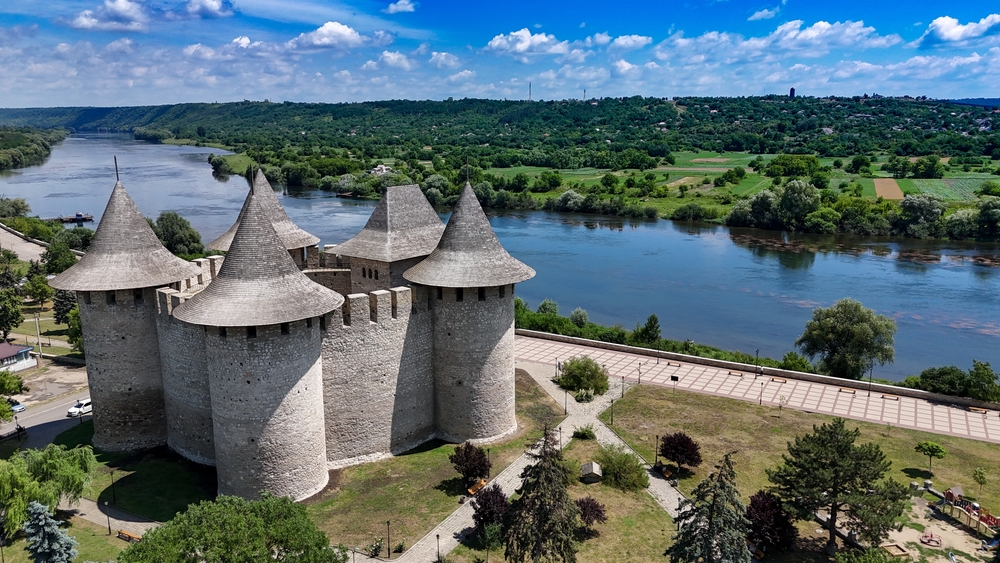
584 395
622 470
585 433
489 506
471 462
548 307
693 212
680 449
375 548
771 525
583 372
579 317
591 512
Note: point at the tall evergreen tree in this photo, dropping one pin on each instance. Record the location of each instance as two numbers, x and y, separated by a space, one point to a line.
47 542
62 304
541 522
712 525
827 470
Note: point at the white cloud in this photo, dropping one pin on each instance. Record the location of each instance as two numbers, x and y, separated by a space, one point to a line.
209 8
946 29
630 42
575 56
369 65
601 38
396 59
441 59
401 6
331 35
623 66
764 14
523 44
242 41
422 49
462 76
123 45
381 38
114 15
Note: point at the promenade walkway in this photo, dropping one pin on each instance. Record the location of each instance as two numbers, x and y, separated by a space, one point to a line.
904 412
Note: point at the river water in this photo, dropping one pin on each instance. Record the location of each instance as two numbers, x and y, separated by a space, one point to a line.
733 288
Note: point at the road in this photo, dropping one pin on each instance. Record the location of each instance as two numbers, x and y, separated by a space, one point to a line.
25 250
46 421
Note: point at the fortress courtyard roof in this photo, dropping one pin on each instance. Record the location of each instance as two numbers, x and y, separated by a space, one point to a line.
258 283
469 254
125 253
290 234
403 225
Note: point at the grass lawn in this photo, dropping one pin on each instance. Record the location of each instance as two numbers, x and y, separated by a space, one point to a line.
60 351
731 159
417 490
238 162
759 435
156 484
94 543
638 530
47 326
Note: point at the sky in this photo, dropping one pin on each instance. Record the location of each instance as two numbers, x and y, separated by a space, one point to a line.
142 52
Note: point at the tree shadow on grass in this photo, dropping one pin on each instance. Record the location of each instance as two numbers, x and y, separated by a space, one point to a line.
453 487
914 473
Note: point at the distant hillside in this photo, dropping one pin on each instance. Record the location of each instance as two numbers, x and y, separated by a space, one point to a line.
24 146
989 102
561 134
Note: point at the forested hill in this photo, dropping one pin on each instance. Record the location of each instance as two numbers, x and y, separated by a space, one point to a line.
559 129
24 146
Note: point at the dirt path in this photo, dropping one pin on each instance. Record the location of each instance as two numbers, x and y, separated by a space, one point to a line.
887 188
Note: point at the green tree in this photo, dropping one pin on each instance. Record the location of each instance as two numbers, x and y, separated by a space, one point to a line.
471 462
579 317
46 541
548 307
37 289
797 200
57 258
582 372
609 181
827 470
712 526
45 476
232 529
14 207
648 333
177 234
491 538
10 311
932 450
848 338
541 522
980 477
75 331
622 470
10 384
62 304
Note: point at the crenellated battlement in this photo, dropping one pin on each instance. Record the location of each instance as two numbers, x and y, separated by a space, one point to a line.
378 307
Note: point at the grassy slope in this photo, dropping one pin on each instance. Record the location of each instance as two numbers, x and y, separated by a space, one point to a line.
94 543
759 435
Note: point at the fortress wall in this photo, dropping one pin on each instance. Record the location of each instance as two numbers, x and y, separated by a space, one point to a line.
267 409
186 394
377 377
474 363
397 268
338 280
123 368
364 284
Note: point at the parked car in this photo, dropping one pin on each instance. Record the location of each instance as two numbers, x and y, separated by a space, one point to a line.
81 408
15 406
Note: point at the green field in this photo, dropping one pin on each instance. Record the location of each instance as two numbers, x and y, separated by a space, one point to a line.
94 543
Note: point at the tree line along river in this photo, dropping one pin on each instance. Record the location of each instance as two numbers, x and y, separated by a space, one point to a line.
737 289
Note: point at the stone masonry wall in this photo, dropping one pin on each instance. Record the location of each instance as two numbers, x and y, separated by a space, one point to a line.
364 284
123 368
474 363
186 393
337 279
397 268
267 409
377 377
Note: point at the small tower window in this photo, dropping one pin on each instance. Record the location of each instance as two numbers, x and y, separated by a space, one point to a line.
322 323
137 297
284 328
251 332
482 294
309 322
376 274
460 294
369 272
503 291
222 331
86 297
364 273
109 296
440 294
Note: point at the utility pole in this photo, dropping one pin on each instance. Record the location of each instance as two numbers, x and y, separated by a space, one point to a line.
529 91
38 336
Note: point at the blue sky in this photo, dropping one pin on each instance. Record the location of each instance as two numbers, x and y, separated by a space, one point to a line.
132 52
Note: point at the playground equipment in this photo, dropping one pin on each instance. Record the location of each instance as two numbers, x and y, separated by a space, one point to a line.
931 540
967 512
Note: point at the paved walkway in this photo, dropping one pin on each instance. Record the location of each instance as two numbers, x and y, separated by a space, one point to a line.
904 412
459 524
109 515
25 250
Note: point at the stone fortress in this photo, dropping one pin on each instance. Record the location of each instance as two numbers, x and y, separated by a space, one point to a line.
256 363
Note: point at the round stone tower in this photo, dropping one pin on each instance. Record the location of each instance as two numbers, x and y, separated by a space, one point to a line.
299 244
115 283
263 320
469 281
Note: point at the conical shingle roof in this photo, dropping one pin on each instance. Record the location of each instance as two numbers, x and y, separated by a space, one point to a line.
403 225
290 234
124 254
469 254
258 283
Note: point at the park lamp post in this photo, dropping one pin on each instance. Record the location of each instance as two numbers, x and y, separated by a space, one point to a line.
612 412
656 450
871 374
388 542
756 363
565 399
107 512
640 374
761 399
439 546
623 387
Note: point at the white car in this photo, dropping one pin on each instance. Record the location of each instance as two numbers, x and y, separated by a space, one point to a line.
81 408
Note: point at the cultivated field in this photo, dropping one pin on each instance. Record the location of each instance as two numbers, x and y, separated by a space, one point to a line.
887 188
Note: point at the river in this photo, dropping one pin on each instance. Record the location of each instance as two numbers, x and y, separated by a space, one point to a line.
733 288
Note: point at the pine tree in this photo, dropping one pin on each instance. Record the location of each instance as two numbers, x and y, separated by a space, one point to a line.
541 522
712 526
47 542
62 304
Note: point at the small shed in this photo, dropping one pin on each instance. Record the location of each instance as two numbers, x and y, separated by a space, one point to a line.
15 358
591 472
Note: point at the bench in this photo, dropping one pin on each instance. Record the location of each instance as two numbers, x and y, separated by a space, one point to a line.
736 373
475 488
890 397
848 390
128 536
779 380
979 410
